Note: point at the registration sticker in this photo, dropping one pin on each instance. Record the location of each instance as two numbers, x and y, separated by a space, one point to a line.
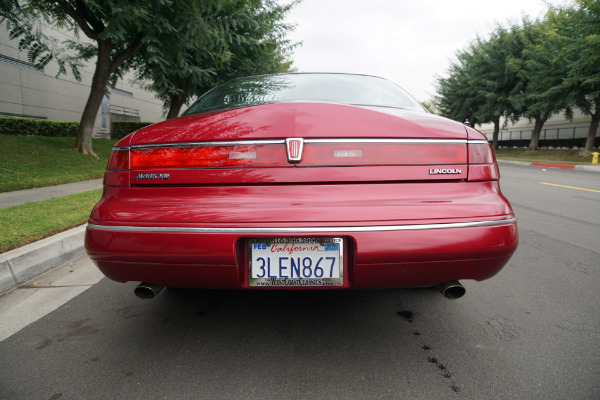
296 262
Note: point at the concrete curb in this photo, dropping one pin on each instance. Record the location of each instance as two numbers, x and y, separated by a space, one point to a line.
588 168
22 264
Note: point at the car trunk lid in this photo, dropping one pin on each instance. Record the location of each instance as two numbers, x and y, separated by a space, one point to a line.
294 143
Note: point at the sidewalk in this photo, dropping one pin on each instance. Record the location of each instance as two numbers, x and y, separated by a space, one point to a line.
10 199
19 265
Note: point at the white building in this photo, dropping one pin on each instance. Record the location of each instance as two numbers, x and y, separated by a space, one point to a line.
557 131
26 91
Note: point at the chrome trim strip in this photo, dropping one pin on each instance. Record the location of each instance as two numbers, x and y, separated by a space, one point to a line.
205 144
320 229
282 141
478 142
385 141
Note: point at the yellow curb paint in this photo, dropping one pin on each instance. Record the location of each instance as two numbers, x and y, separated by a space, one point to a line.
570 187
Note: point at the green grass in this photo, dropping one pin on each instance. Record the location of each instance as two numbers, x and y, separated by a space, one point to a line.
554 156
29 222
35 161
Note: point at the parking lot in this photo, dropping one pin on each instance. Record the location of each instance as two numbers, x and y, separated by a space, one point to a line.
531 332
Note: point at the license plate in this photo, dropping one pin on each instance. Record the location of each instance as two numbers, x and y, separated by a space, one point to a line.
296 262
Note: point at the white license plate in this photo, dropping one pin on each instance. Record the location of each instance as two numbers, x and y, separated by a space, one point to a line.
296 262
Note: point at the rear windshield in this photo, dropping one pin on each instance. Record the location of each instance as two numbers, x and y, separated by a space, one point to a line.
359 90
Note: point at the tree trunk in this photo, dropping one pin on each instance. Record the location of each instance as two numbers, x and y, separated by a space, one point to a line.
176 101
535 137
105 66
496 133
175 104
102 73
591 138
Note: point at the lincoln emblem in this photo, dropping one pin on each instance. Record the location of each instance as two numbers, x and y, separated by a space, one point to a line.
294 149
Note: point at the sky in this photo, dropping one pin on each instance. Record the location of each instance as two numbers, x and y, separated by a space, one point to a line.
407 42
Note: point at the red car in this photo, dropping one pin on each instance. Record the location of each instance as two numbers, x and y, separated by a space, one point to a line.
302 181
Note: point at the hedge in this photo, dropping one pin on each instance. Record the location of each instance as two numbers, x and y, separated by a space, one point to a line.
570 143
37 127
120 129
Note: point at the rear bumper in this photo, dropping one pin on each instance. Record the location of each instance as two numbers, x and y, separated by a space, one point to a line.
375 256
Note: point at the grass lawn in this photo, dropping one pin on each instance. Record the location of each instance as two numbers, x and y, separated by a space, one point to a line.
35 161
551 155
29 222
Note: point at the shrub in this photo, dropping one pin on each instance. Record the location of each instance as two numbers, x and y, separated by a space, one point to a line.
37 127
120 129
17 126
57 128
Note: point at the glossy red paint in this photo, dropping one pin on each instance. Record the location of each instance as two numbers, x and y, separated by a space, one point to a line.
417 258
483 172
373 207
298 175
116 178
474 134
303 120
307 205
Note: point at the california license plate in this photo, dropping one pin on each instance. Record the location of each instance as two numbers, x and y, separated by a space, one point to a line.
296 262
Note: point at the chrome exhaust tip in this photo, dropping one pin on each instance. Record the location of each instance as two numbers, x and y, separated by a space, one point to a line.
451 290
147 291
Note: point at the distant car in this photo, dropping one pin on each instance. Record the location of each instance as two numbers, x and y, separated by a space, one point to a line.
302 181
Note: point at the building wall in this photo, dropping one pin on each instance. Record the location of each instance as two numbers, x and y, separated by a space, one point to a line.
557 127
27 92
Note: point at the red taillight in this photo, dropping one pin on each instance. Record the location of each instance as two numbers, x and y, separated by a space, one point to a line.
449 156
481 153
118 161
261 155
117 170
482 163
315 153
383 153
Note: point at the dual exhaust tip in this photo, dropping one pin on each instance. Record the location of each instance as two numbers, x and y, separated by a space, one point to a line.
147 291
451 290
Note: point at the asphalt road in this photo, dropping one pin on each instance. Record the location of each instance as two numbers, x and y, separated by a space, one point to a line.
532 332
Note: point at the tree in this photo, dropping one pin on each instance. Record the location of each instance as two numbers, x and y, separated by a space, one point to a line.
538 93
533 69
577 30
117 29
456 98
480 83
41 49
496 80
252 42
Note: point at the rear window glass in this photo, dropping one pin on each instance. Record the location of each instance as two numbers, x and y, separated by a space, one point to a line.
360 90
